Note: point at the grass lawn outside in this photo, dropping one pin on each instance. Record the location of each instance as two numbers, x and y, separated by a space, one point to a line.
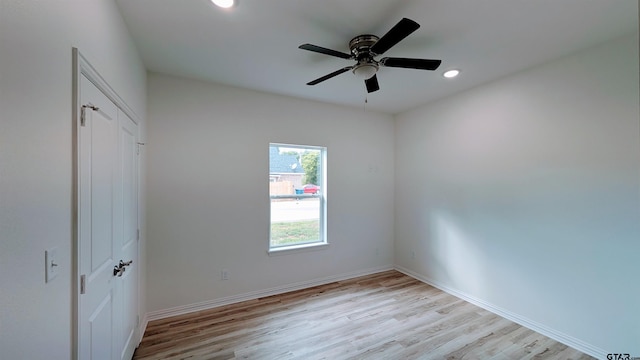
283 233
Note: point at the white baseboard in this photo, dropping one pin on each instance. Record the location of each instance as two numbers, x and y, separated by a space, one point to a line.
210 304
530 324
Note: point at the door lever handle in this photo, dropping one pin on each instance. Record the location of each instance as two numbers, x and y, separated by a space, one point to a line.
123 264
118 270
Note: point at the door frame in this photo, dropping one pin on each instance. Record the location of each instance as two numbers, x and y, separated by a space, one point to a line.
81 66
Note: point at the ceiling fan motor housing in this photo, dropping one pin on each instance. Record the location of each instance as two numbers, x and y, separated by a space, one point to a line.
361 47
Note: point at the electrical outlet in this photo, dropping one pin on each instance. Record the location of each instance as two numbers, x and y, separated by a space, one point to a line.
225 274
51 264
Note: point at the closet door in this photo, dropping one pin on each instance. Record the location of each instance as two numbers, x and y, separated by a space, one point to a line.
107 228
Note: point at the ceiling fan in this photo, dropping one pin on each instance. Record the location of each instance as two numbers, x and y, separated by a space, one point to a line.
364 49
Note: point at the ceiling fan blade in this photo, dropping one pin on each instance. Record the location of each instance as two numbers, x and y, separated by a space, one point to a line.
372 84
329 76
400 31
325 51
422 64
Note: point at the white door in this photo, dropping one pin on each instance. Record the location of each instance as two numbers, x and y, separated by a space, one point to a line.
107 228
127 242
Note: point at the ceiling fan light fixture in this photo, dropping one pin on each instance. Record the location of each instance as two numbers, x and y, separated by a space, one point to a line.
225 4
365 71
451 73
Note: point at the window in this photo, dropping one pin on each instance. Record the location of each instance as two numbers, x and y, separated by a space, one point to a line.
297 188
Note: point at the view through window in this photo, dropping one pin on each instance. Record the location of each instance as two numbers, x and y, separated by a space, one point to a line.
297 192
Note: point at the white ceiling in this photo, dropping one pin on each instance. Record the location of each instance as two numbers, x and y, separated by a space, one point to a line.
255 45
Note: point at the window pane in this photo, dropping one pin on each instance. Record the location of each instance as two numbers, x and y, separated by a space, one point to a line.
297 201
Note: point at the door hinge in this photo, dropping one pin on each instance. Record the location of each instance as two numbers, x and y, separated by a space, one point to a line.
139 144
83 284
83 112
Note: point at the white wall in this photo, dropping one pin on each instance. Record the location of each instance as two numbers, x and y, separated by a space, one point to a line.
209 196
525 194
36 38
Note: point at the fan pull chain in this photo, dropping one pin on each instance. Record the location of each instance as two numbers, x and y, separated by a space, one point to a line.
366 101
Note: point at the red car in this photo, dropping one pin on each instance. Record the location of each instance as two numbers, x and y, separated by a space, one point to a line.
311 189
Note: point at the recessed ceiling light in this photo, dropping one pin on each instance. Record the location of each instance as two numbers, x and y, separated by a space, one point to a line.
224 3
451 73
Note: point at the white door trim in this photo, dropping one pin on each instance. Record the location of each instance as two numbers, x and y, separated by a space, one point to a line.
82 67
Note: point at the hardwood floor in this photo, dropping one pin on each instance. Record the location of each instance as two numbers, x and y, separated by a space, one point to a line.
382 316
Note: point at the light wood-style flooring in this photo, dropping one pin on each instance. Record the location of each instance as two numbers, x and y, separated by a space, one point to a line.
387 315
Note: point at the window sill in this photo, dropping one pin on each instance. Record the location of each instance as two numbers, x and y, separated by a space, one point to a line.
285 250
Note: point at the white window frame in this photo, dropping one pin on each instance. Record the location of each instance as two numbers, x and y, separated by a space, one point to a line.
322 196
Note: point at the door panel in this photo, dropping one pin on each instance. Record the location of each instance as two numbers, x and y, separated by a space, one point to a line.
102 156
97 155
128 247
100 327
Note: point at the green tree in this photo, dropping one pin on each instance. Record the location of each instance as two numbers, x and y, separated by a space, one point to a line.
310 161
